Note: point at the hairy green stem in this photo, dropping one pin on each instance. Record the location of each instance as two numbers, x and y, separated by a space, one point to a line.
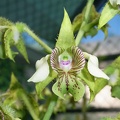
29 107
50 108
85 21
37 39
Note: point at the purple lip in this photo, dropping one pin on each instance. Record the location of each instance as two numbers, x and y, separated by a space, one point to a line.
65 62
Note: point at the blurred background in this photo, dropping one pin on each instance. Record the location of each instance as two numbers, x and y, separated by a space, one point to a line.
44 18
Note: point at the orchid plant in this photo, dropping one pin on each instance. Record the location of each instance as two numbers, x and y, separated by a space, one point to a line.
67 66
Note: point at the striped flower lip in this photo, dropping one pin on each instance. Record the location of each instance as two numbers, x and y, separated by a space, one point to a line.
67 60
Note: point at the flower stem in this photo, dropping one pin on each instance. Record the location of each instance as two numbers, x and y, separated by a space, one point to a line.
37 39
50 108
85 21
29 107
84 108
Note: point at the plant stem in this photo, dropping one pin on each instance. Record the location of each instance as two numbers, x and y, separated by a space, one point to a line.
85 21
50 108
84 107
37 39
29 107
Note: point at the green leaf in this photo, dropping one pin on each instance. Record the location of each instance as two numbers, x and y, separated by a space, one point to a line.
75 87
116 91
66 37
113 66
108 13
41 85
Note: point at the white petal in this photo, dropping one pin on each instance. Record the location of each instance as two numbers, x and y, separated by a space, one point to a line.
41 61
42 71
93 68
94 60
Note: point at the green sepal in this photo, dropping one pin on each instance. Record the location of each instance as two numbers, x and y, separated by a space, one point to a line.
8 42
20 26
22 49
107 14
87 78
66 38
16 97
20 44
98 86
5 22
41 85
76 88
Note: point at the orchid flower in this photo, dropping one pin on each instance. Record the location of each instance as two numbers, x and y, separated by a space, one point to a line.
67 64
68 61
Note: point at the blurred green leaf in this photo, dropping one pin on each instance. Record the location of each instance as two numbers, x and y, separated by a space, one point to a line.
11 36
108 13
116 91
93 20
107 118
90 29
66 37
7 113
14 98
100 83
